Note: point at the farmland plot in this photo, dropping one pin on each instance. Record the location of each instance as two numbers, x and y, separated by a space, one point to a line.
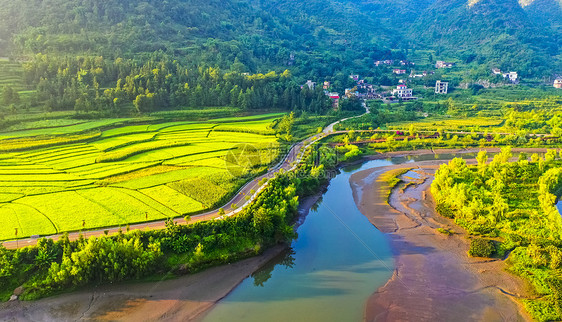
74 175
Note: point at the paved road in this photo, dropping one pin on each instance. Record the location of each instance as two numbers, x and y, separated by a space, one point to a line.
242 198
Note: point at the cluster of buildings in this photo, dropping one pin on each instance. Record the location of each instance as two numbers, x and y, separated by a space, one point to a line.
443 64
512 76
401 92
391 62
423 74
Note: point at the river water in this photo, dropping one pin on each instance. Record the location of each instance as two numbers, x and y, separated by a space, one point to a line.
338 260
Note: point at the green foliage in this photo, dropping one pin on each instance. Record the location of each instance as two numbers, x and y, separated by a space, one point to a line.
514 202
10 96
486 33
444 231
160 83
58 266
481 247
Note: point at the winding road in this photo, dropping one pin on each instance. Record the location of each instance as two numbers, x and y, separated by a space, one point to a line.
237 203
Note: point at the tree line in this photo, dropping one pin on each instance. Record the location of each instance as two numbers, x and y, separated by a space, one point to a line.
95 84
54 266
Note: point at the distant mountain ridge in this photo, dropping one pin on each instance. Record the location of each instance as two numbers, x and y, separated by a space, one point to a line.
316 37
500 33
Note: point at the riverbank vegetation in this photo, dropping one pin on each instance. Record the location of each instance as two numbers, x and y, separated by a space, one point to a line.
509 208
51 267
390 179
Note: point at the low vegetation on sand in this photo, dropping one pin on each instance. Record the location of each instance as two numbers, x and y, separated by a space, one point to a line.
391 180
88 178
509 208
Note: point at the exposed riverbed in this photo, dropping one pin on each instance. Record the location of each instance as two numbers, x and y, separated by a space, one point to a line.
331 272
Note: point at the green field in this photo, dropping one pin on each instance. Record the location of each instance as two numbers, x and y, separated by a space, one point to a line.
11 74
451 124
68 175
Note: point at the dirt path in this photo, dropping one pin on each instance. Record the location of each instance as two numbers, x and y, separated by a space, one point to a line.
434 279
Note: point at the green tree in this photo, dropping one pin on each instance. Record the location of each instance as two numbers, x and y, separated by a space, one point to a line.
10 96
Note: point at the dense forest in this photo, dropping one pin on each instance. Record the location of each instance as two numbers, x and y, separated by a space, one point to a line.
97 85
320 40
497 33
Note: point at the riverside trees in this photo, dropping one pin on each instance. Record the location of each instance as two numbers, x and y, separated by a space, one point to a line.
63 265
513 202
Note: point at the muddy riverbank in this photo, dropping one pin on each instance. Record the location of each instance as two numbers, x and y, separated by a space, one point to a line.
434 279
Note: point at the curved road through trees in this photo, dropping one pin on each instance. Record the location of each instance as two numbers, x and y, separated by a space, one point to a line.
243 197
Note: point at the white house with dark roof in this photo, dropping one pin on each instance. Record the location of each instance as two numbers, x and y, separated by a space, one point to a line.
402 91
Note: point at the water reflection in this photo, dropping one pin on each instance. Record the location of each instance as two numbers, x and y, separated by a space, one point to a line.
285 259
338 260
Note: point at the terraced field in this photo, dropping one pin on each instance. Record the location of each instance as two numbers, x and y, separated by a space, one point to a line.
72 175
11 74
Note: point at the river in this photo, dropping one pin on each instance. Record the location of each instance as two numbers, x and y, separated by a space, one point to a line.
338 260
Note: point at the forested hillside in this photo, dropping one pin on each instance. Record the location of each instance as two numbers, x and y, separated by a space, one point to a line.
259 36
546 12
499 33
79 54
317 38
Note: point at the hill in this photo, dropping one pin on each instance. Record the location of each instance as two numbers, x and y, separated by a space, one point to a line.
79 54
498 33
260 36
546 13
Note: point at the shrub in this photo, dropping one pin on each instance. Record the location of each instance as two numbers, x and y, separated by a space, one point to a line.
444 210
481 247
444 231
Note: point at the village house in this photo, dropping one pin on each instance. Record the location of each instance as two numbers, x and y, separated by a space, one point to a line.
310 84
291 59
399 71
349 92
496 71
335 97
441 87
443 64
403 92
512 76
406 63
326 85
425 73
384 62
558 83
354 77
